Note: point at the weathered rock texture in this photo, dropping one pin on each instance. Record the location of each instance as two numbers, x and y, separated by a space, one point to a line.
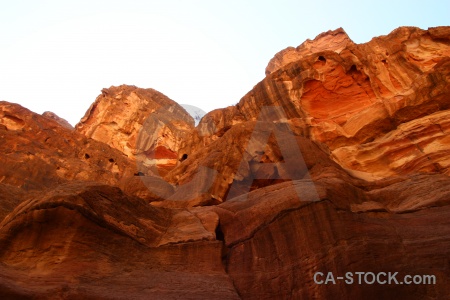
38 153
119 114
381 107
333 40
336 162
87 241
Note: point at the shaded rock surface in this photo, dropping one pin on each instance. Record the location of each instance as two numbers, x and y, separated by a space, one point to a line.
336 162
277 240
94 242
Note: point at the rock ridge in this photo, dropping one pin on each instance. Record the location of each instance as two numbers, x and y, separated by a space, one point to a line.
337 161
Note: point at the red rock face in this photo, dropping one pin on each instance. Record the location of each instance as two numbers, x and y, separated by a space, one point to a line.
360 98
66 239
119 115
333 40
336 162
38 153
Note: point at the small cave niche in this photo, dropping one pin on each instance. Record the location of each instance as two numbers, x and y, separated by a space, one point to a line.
184 157
87 156
111 160
320 62
353 69
219 233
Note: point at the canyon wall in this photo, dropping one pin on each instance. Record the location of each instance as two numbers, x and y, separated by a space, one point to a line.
337 161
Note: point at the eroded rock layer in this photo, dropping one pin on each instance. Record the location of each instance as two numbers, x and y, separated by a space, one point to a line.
39 153
336 162
120 114
87 241
390 95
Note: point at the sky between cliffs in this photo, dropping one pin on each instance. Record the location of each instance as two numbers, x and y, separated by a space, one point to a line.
58 55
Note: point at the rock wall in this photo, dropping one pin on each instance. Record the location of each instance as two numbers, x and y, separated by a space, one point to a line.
39 153
389 95
336 162
120 115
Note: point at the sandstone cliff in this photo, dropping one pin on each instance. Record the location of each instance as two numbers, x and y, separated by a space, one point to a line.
336 162
120 113
38 153
381 108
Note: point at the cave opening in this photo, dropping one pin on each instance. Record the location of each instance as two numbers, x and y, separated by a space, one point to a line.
184 157
322 58
219 233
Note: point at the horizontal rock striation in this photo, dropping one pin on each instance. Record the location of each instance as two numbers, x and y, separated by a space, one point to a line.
390 94
336 162
139 122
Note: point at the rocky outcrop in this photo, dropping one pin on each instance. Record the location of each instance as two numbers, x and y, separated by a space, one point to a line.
332 40
39 153
88 240
278 255
382 95
120 115
248 156
336 162
61 121
93 241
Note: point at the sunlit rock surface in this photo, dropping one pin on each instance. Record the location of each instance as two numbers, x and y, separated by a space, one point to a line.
389 95
120 114
336 162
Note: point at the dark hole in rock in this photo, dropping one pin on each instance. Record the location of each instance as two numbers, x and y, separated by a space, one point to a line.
87 156
321 58
219 233
111 160
184 157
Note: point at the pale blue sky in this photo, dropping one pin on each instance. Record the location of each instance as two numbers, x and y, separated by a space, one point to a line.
58 55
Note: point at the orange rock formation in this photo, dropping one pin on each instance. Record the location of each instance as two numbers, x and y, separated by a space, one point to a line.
336 162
